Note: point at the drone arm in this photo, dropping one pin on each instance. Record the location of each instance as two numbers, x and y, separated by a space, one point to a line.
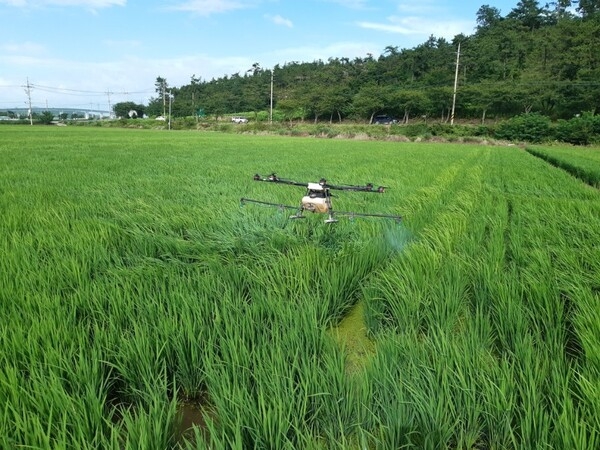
354 214
244 200
275 179
366 188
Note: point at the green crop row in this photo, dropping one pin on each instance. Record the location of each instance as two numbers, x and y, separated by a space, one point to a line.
491 308
583 163
142 307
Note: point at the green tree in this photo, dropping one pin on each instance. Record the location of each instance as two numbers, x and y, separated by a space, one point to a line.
487 16
500 53
439 102
123 109
256 92
336 91
369 101
215 103
588 8
411 102
161 88
291 108
561 9
46 117
529 13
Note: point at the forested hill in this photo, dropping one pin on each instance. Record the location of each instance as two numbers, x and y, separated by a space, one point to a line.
537 58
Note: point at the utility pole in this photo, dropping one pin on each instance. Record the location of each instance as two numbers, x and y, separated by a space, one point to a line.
194 107
109 107
455 85
271 105
28 91
164 99
170 99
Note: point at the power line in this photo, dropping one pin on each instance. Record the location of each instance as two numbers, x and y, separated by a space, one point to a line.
67 91
64 91
76 91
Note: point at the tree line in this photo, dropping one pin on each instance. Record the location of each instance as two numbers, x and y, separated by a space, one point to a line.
541 59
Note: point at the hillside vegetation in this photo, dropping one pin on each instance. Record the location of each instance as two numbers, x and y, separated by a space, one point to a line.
536 58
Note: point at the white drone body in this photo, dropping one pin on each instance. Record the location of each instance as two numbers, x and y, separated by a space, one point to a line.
315 199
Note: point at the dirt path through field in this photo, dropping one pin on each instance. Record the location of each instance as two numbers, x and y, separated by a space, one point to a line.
351 334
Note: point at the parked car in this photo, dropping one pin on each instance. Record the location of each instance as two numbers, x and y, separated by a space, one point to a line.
238 119
383 120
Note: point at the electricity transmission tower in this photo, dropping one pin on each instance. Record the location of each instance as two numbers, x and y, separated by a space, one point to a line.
28 92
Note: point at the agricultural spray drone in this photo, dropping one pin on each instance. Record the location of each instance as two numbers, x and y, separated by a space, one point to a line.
317 198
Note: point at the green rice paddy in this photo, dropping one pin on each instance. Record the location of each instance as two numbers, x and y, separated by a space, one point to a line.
581 162
142 307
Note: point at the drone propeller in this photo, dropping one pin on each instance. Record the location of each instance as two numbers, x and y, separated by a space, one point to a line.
273 178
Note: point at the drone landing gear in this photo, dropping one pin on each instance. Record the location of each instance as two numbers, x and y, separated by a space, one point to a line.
299 215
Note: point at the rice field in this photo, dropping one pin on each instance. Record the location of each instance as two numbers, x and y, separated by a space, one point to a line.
142 307
581 162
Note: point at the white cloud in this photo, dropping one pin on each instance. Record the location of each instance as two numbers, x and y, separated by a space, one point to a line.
419 26
22 48
420 7
390 28
121 44
208 7
92 4
335 50
128 79
278 20
352 4
132 78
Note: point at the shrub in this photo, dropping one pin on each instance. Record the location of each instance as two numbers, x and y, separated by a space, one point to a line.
581 130
529 127
441 129
413 130
225 127
484 130
322 130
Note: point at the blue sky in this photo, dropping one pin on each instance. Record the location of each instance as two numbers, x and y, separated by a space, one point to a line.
75 51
